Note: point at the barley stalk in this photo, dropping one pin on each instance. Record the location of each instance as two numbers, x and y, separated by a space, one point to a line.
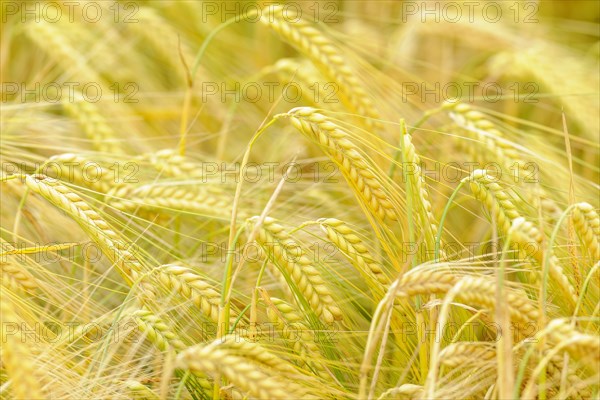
325 55
290 257
335 141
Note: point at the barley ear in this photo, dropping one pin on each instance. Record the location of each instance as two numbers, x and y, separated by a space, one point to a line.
298 268
364 177
16 355
587 224
325 55
243 373
345 239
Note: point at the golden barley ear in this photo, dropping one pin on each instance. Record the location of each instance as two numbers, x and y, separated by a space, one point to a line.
325 55
587 224
292 327
579 345
364 177
81 171
420 194
165 339
171 198
475 290
16 277
190 286
169 163
345 239
462 354
298 269
114 247
241 370
489 138
16 355
523 233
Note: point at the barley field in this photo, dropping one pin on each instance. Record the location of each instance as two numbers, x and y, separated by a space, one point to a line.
300 199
